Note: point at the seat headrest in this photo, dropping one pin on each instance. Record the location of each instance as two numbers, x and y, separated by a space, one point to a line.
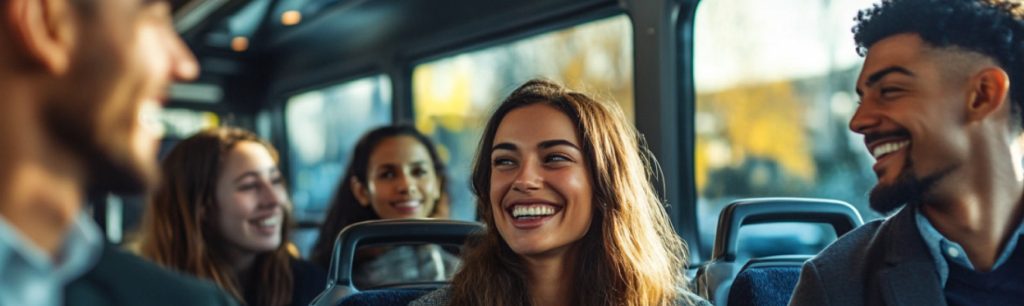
375 232
842 216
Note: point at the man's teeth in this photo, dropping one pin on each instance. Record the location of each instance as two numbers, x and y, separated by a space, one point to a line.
532 211
889 147
272 221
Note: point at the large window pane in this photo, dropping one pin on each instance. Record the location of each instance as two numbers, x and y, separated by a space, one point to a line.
323 127
454 96
775 86
180 123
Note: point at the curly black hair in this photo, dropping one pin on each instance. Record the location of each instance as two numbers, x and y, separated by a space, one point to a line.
994 28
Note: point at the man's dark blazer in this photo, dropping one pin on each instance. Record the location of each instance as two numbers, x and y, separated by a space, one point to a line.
120 278
884 262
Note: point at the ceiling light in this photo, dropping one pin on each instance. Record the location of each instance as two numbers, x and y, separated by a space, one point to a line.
240 43
291 18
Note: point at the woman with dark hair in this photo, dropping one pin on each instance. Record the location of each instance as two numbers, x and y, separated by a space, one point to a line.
222 213
395 173
563 185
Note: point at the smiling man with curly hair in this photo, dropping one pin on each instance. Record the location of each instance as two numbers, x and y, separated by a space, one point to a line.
941 92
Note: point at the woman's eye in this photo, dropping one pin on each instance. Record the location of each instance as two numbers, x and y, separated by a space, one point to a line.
277 180
419 172
387 175
503 162
556 158
248 187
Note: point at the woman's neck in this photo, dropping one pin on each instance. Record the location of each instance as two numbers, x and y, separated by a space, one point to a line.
550 279
242 263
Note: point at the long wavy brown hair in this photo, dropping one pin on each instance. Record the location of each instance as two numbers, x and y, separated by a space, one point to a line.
179 230
630 256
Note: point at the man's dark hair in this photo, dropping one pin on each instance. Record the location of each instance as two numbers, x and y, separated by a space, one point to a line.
993 28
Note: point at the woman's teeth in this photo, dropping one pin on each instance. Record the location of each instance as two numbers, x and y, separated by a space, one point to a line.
408 204
271 221
532 211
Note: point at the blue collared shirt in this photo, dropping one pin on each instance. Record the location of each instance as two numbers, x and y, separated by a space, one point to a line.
30 276
943 249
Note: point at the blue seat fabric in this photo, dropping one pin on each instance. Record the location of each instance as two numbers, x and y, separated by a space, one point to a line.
764 286
383 297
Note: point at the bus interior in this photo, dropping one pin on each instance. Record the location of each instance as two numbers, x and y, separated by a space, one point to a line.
737 99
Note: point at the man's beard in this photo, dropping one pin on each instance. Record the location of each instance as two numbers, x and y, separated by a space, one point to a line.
908 189
105 151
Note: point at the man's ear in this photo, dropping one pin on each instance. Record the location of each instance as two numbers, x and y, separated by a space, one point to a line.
989 89
361 193
43 31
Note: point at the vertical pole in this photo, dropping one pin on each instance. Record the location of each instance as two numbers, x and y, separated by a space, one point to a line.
662 44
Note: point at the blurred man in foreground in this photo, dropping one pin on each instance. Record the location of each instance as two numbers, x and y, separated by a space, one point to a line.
82 82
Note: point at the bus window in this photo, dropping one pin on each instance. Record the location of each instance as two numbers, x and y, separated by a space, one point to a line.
180 123
322 127
454 96
774 93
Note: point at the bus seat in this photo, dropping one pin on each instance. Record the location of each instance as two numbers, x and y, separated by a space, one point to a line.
769 278
383 297
341 291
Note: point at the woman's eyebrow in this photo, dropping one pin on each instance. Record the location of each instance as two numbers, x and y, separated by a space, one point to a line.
504 146
557 142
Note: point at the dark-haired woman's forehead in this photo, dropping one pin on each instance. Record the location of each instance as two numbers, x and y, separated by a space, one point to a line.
400 150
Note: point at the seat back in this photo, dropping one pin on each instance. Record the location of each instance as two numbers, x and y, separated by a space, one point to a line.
766 281
715 278
385 297
376 232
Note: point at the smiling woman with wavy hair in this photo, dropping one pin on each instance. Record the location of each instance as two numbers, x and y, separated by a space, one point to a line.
222 214
563 184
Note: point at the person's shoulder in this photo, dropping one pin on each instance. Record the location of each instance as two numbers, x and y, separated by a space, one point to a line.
437 297
310 281
852 257
442 297
840 272
120 278
307 270
687 298
851 245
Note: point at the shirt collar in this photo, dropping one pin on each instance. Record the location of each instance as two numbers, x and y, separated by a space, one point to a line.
82 248
944 251
15 248
83 245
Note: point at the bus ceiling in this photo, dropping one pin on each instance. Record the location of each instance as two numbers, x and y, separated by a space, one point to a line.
357 30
